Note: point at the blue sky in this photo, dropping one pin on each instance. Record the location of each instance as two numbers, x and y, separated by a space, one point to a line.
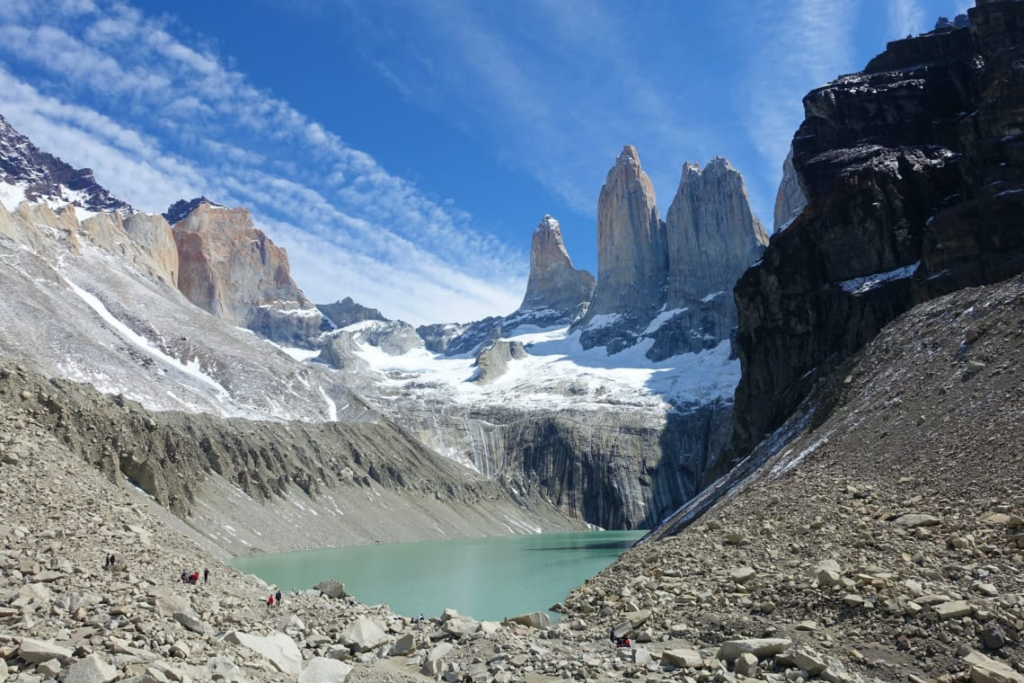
404 150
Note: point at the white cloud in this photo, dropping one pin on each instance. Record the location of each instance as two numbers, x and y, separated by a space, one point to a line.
906 18
159 120
804 44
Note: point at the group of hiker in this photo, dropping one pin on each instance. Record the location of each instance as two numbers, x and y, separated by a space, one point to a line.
109 562
274 599
192 577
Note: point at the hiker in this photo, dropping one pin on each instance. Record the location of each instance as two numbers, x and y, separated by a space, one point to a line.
113 560
277 597
206 575
184 576
195 577
270 601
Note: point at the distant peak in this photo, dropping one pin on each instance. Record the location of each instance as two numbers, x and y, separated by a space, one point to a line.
718 164
629 155
548 223
180 209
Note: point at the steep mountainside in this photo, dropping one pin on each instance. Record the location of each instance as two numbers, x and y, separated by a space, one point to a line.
26 172
880 530
914 174
232 270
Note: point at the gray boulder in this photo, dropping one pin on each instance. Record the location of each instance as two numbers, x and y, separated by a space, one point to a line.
323 670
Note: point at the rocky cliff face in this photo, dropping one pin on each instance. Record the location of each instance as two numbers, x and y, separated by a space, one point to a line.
671 283
346 312
915 185
790 200
554 284
39 176
632 257
232 270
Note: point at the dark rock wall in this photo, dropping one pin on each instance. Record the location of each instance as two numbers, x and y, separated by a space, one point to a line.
913 174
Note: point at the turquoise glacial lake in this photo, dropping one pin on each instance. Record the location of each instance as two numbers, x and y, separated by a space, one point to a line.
486 578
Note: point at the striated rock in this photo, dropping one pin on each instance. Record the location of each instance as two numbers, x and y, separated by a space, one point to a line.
987 670
39 651
632 254
363 635
712 234
154 235
554 283
790 200
492 362
230 269
915 187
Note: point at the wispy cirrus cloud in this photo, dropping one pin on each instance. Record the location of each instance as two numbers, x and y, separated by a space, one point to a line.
158 120
803 44
906 18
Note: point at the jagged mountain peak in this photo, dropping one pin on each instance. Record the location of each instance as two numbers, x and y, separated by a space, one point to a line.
37 176
182 208
554 283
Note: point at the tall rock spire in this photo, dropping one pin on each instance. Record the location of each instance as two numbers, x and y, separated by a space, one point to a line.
632 259
712 234
554 283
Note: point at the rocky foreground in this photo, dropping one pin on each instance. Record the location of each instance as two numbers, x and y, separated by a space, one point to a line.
885 542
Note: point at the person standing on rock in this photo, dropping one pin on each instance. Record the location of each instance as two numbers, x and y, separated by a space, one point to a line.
270 601
277 597
206 575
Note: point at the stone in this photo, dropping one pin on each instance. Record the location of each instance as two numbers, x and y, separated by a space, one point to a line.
992 637
987 670
362 635
49 669
167 605
223 668
953 610
808 661
433 662
90 669
759 647
638 618
533 620
39 651
278 649
742 575
682 658
828 573
746 665
190 621
493 360
332 589
404 646
808 625
914 521
323 670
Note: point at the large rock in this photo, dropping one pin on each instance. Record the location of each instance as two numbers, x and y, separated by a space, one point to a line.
346 312
278 649
533 620
324 670
232 270
790 199
363 635
332 589
987 670
39 651
759 647
554 283
682 658
912 174
492 361
91 669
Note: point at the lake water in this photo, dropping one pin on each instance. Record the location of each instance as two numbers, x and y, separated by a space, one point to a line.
486 578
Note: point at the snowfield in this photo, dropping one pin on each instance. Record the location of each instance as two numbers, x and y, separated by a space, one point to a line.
558 373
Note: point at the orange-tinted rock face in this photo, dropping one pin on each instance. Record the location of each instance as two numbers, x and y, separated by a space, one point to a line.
232 270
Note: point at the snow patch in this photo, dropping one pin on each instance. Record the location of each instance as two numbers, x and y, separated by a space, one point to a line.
862 285
711 297
601 321
332 407
661 319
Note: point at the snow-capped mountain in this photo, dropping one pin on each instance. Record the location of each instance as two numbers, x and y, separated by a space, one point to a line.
27 173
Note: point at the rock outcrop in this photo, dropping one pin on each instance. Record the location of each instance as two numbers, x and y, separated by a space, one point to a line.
554 283
492 361
229 268
44 177
632 254
914 173
670 282
346 312
790 199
